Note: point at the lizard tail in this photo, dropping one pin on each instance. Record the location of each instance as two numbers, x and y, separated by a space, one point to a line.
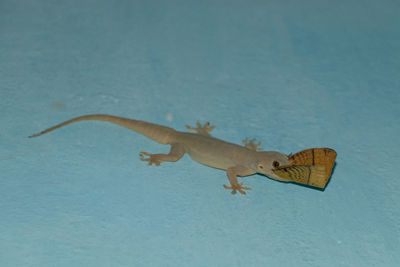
158 133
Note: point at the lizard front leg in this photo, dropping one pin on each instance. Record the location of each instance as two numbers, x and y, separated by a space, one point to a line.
233 173
176 152
252 145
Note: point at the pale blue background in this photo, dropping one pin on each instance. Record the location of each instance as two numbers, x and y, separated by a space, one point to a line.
293 74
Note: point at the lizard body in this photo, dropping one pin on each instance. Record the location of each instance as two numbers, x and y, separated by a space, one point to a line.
201 147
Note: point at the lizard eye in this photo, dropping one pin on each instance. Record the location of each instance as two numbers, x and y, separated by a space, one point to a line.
275 164
261 166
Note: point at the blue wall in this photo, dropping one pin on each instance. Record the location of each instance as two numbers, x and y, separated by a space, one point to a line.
293 74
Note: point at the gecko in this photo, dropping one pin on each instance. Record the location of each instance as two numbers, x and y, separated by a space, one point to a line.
236 160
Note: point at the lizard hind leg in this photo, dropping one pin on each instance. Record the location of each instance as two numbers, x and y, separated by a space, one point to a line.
203 130
177 151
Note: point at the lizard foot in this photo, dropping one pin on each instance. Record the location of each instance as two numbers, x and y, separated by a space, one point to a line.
204 130
239 187
152 158
251 145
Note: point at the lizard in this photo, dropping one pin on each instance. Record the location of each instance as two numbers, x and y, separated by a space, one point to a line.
236 160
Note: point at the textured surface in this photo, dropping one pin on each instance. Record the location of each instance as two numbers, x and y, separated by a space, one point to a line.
293 74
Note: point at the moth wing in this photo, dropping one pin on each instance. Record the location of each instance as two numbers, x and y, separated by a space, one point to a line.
316 156
312 175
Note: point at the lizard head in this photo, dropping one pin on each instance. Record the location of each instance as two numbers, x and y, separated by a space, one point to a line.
268 161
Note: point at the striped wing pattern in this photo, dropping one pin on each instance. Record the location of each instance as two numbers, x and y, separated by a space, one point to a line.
304 174
311 167
316 156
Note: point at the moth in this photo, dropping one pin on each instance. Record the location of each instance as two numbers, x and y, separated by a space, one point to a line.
311 167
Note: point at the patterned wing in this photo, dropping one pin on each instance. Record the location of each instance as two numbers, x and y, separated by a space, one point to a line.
311 167
313 175
316 156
